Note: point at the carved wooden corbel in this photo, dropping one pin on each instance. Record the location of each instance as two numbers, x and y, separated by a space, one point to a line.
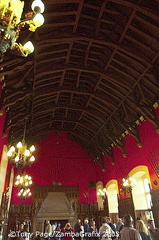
110 153
145 109
130 128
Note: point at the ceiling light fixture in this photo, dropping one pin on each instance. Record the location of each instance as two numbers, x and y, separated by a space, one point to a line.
20 155
11 24
127 185
23 182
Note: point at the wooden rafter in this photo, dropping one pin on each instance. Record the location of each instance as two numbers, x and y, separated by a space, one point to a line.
92 61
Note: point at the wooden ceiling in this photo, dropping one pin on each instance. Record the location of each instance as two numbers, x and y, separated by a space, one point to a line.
94 73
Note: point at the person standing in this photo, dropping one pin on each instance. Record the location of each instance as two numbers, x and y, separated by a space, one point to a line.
48 229
108 220
86 229
67 232
54 226
118 224
154 232
128 232
105 231
93 230
143 230
78 229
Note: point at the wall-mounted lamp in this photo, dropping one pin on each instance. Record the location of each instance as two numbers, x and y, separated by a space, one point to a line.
102 193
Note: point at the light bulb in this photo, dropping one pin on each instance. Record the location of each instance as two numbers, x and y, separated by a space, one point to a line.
28 47
30 182
18 177
32 148
38 20
29 177
21 180
16 159
27 153
12 149
17 183
19 145
32 159
19 194
38 6
29 194
26 184
9 153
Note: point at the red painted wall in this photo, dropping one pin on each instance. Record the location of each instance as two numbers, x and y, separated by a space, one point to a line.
135 156
59 159
3 141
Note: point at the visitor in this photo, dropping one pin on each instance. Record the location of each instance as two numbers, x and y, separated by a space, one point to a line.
93 230
86 229
118 223
78 229
108 220
48 229
67 232
143 230
105 231
128 232
154 232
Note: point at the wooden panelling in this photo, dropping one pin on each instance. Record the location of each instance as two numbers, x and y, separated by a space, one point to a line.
126 207
155 205
40 192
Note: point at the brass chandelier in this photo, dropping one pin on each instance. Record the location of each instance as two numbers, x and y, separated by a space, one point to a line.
21 155
127 185
23 182
11 24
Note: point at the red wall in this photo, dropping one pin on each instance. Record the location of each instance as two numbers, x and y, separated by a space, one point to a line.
3 141
135 156
59 159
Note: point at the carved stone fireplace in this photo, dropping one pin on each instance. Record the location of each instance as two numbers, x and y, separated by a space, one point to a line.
55 206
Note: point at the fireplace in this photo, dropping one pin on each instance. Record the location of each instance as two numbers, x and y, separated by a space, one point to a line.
56 208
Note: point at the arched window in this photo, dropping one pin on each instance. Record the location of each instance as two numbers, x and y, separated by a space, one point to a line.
112 191
141 190
99 185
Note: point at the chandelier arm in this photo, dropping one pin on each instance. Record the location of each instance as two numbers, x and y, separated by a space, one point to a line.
27 21
11 24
